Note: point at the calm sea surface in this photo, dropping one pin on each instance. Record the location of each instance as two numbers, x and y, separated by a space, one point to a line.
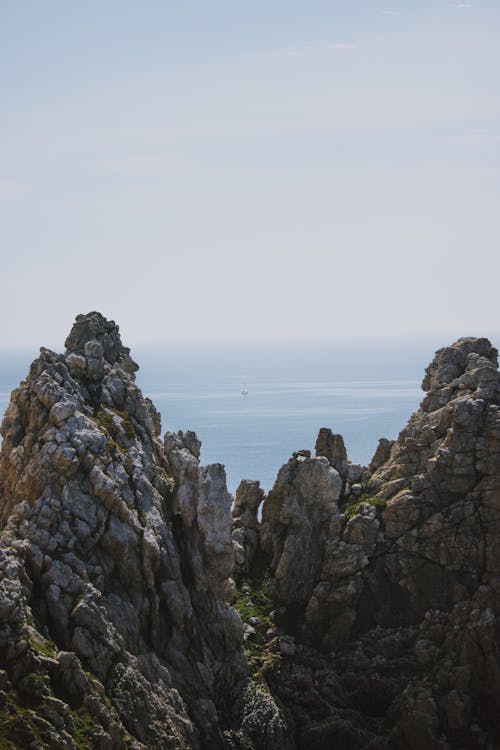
362 389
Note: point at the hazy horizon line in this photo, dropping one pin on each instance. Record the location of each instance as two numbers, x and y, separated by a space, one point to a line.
360 337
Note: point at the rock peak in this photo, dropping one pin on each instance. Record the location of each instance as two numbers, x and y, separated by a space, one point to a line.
126 555
94 327
452 361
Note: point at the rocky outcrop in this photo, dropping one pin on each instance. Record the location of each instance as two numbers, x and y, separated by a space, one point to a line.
381 454
402 588
116 554
295 525
203 504
332 446
249 497
370 596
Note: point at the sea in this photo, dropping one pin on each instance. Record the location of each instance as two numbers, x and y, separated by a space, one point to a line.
363 389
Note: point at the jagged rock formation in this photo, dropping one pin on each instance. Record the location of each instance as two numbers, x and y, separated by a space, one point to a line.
381 454
370 595
403 587
110 564
249 496
295 525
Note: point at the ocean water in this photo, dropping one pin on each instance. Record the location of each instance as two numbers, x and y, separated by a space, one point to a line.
363 389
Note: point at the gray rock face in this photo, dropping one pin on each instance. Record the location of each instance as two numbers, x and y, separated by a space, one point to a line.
403 588
332 446
115 559
203 503
95 338
295 525
452 362
249 497
377 622
381 454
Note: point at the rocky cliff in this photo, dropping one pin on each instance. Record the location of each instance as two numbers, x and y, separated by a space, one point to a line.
360 612
116 552
393 571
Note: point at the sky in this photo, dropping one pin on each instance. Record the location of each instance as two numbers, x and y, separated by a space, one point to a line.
249 170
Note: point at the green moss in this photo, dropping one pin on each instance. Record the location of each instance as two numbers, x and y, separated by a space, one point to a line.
268 660
18 720
17 732
124 416
105 424
104 420
43 647
29 618
141 514
97 685
35 683
352 509
127 425
85 728
17 726
256 603
253 604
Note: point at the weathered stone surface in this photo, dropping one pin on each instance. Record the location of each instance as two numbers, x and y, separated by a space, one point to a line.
406 595
117 550
376 624
332 446
295 520
203 503
97 338
381 454
249 497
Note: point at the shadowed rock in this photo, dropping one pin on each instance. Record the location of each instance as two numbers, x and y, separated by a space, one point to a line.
381 454
407 591
249 497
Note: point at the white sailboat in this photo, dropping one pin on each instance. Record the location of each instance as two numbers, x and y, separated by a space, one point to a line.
244 390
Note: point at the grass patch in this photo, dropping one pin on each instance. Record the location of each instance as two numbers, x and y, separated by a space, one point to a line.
44 647
127 425
352 509
18 722
18 729
104 420
268 660
105 423
85 728
97 685
252 602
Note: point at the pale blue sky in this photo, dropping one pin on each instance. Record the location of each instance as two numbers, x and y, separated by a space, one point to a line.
249 170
